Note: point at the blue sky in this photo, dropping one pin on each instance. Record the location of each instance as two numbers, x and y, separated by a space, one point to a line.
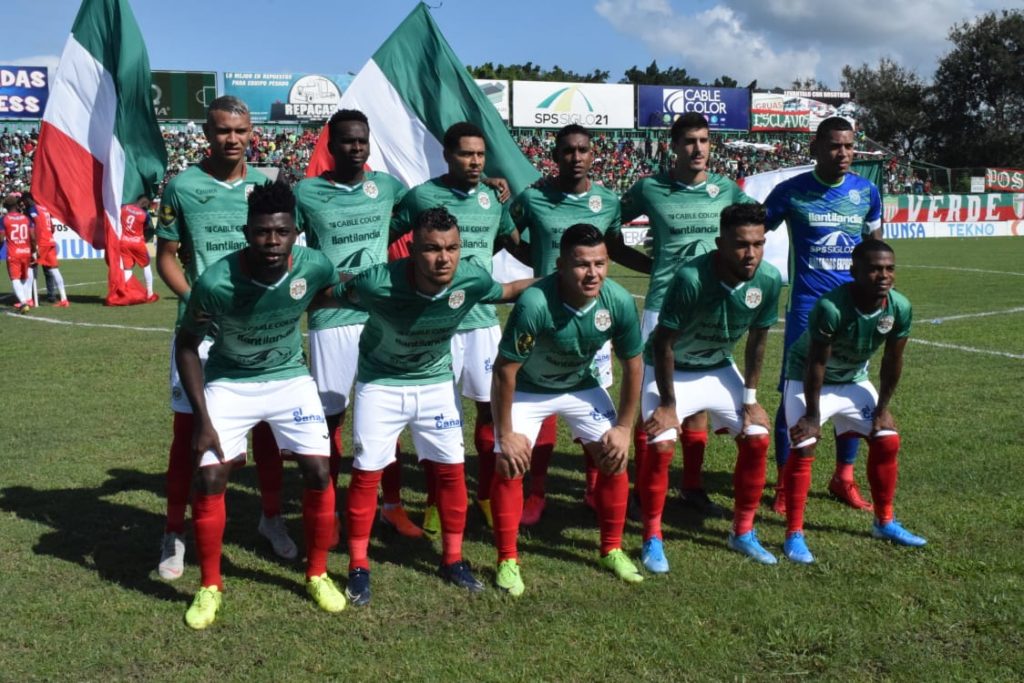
773 41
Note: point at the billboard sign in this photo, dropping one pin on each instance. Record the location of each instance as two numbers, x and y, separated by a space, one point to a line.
791 113
183 94
1004 180
550 104
287 97
497 92
724 108
23 92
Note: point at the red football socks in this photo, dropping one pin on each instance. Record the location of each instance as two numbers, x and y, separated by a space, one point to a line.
391 481
318 524
652 484
483 437
337 447
611 493
209 518
844 471
178 481
361 509
694 443
451 506
883 469
540 459
748 480
797 475
506 509
269 469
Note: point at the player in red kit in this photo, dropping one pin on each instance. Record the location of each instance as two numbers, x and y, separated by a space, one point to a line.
134 219
16 231
42 222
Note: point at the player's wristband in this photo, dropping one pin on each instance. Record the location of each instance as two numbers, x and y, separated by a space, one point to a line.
749 396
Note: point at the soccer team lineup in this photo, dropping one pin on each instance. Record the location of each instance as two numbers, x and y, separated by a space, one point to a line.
397 288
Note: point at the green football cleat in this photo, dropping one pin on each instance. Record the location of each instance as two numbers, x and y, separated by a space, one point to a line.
431 522
508 578
325 594
618 563
203 610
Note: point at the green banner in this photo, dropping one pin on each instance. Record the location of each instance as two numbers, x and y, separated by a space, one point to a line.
183 94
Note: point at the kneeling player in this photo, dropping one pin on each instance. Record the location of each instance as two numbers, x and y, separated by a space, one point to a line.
712 300
545 368
255 373
827 379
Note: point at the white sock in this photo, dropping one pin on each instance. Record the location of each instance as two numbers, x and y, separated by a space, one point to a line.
19 291
58 280
29 281
147 273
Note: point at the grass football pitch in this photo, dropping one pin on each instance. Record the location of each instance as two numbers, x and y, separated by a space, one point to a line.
84 432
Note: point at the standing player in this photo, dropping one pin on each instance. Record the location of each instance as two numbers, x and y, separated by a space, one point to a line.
828 212
485 227
16 230
827 379
201 219
134 221
346 214
42 223
683 207
255 373
542 214
711 302
545 368
405 379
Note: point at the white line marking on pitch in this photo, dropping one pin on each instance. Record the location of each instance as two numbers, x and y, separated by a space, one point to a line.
73 323
968 349
962 316
963 270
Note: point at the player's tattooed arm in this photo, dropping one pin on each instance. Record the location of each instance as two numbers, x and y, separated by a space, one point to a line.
753 358
889 376
664 416
625 255
514 459
190 369
808 426
169 268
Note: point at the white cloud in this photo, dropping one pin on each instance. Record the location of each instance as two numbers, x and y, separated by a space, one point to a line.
776 41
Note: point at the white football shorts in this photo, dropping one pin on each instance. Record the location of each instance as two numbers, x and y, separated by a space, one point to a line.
851 406
473 355
333 359
589 413
179 401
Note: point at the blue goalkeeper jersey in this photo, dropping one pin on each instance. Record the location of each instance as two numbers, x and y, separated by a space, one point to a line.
825 223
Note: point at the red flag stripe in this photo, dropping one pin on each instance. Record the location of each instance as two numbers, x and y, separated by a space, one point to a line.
71 180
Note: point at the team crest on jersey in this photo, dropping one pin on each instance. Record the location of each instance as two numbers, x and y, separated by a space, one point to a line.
753 298
524 344
854 196
167 215
713 190
298 288
457 298
602 319
483 200
370 189
595 204
885 324
248 189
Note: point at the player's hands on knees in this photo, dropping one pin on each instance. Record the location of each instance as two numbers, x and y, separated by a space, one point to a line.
614 450
806 427
204 438
754 414
661 420
514 459
883 421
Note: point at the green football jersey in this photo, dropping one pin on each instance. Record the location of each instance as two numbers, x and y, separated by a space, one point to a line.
257 325
482 220
684 222
349 225
854 336
556 343
710 317
543 214
408 336
205 216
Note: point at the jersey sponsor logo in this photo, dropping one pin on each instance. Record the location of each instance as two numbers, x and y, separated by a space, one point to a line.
483 200
753 297
831 252
167 214
602 416
298 288
595 204
854 196
442 423
457 298
602 319
524 343
370 189
885 324
298 417
713 190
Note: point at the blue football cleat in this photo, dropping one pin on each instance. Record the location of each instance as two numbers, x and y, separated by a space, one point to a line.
653 556
894 531
751 547
358 589
795 549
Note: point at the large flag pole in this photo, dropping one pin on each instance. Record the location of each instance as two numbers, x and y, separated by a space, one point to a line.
99 143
